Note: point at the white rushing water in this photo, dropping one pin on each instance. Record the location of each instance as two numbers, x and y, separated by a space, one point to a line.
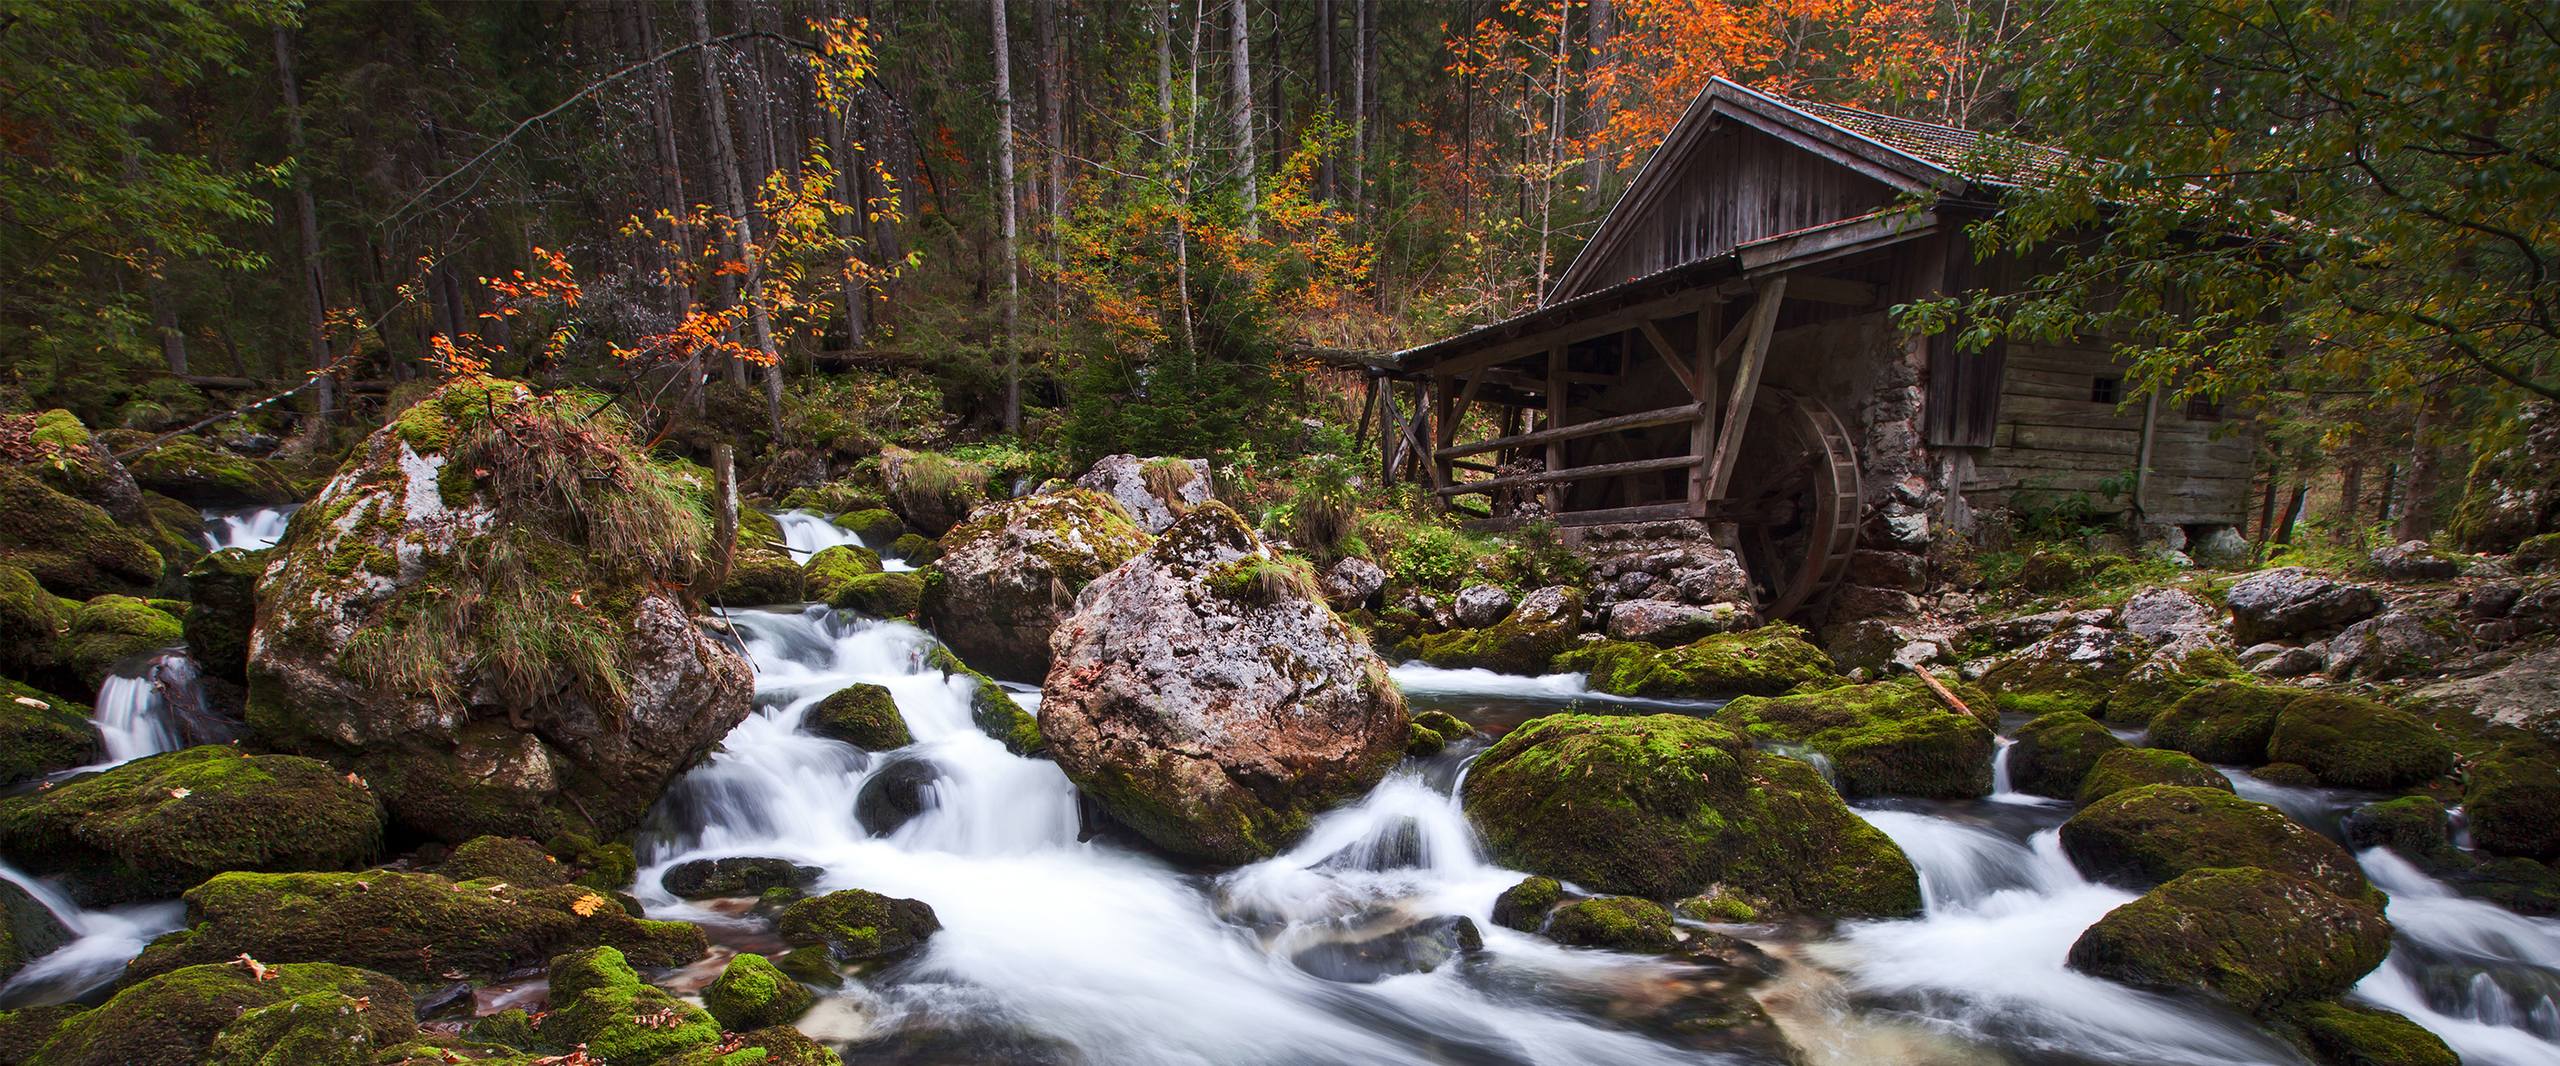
102 942
808 532
254 528
2485 979
1110 953
132 719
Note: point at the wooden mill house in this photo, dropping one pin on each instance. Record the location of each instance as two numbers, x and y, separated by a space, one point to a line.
1723 352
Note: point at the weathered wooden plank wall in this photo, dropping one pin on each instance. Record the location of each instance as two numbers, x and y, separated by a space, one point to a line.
2054 439
1739 184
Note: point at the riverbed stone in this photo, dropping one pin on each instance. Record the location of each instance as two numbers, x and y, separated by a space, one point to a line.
1664 806
1524 906
2225 722
222 605
1544 624
1481 605
2054 753
834 567
2142 837
173 1019
875 525
2290 601
2348 741
1616 923
932 491
2124 768
863 715
2359 1035
1891 738
853 924
73 546
2413 560
202 474
513 860
154 826
1414 947
2160 615
752 993
2253 937
1010 574
112 629
1155 492
28 930
2512 799
1767 661
736 876
1666 623
600 1005
41 733
2394 644
2074 669
1206 697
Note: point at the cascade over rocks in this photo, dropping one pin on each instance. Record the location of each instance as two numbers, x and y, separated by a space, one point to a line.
482 613
1010 574
1206 696
1153 492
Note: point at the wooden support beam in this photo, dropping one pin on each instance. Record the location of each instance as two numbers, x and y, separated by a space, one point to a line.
1670 357
1558 393
1660 417
1578 473
1368 407
1746 382
1599 325
1702 433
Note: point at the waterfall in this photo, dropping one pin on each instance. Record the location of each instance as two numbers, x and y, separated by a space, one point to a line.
808 532
133 719
103 940
2485 979
253 528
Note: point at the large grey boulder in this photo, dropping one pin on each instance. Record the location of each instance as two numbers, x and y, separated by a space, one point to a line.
2393 644
1205 696
1351 583
1155 491
2292 602
1669 623
1011 572
2414 560
2222 549
1482 605
2160 615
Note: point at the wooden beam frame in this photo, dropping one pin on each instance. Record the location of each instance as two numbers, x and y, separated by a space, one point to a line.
1578 473
1640 419
1559 390
1670 356
1746 381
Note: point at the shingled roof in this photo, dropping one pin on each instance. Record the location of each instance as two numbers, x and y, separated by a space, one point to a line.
1976 155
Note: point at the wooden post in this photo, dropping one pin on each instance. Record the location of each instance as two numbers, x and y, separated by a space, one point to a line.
1368 406
1702 386
1556 410
1746 382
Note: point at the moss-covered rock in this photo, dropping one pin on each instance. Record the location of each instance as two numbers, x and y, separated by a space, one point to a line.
745 875
25 1031
193 470
173 1019
2337 1034
154 826
72 546
761 577
875 525
599 1003
2073 669
1433 731
1617 923
915 548
753 993
222 604
410 925
512 860
28 930
934 492
991 708
1767 661
2225 722
2130 768
2537 552
2251 936
2287 775
2054 753
1524 906
1665 805
41 733
832 568
837 497
110 629
865 716
1893 738
879 595
1542 626
2142 837
2512 798
323 1028
30 625
854 925
1010 574
2158 683
2352 742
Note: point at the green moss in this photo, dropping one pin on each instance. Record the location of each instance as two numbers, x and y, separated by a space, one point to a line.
2225 722
754 993
222 603
24 1031
1261 580
759 577
991 708
599 1003
2414 826
2131 768
1666 805
813 965
407 924
2352 742
1716 907
72 546
854 925
2145 836
191 470
2253 937
109 629
2054 753
2155 686
2512 798
324 1028
173 1019
874 525
1524 906
1766 661
2537 552
838 497
1617 923
1889 739
1432 732
865 716
41 733
511 860
2345 1035
831 569
879 595
29 625
915 548
154 826
1516 645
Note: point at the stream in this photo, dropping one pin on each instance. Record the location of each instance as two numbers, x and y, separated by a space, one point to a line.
1063 946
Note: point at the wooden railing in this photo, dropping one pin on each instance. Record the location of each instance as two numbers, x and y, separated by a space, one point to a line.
1661 417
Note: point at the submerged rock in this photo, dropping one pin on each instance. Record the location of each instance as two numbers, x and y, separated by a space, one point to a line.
1010 575
854 924
863 715
1417 947
752 993
2142 837
2054 753
1666 805
1892 738
895 794
2365 1036
499 647
739 876
2253 937
1154 492
175 1019
154 826
1767 661
1206 696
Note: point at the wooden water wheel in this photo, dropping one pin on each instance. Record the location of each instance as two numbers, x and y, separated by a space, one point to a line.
1795 488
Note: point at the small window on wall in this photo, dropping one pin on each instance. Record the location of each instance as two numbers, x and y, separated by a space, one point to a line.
2106 390
2200 409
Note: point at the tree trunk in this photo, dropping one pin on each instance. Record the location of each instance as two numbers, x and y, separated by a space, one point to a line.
767 157
2350 500
669 189
1053 112
1325 101
1563 62
2418 511
1005 193
1595 109
1363 31
2292 511
1240 45
724 165
315 289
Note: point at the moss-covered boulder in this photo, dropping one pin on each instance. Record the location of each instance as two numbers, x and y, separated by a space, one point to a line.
73 546
2054 753
28 930
2225 722
760 576
2158 683
1542 626
600 1005
1524 906
752 993
193 470
934 492
154 826
485 614
111 629
1893 738
2512 799
329 1027
884 595
41 733
1666 805
875 525
991 708
1767 661
2073 669
2131 768
2352 742
834 567
744 875
222 605
31 622
2142 837
2514 489
409 925
1433 732
175 1018
1010 574
2344 1035
1207 697
865 716
1617 923
2252 937
512 860
854 925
